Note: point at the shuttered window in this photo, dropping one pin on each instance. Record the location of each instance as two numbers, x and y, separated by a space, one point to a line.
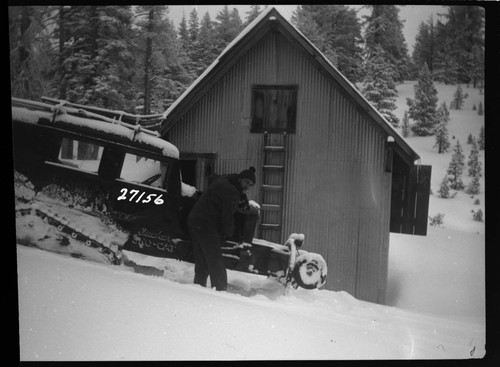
274 108
410 198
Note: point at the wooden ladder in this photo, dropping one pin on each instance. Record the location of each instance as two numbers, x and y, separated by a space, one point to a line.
272 187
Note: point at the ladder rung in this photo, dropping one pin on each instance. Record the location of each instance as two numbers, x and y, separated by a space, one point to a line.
275 148
273 167
272 187
270 207
270 226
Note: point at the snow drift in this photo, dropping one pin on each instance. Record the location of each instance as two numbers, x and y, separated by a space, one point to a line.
77 310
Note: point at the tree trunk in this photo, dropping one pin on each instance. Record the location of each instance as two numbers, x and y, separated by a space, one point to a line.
24 53
147 66
62 39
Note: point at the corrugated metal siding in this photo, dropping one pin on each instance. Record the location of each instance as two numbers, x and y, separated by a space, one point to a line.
337 193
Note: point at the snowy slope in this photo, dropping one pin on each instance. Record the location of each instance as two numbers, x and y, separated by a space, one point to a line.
70 309
448 265
77 310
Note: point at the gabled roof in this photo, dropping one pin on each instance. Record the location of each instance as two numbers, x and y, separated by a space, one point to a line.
271 18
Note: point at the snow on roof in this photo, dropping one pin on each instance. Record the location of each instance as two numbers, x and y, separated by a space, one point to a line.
116 129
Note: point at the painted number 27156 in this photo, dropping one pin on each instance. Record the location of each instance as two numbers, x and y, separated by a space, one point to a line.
138 195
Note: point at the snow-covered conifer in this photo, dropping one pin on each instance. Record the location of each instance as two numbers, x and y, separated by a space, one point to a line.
473 188
480 111
456 167
477 216
473 162
405 125
445 112
444 188
379 87
459 97
480 141
423 109
442 142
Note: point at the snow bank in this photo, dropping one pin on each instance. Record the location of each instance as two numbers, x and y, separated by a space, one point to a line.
77 310
444 275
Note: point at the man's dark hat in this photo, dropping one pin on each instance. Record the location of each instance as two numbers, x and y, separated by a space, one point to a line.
248 173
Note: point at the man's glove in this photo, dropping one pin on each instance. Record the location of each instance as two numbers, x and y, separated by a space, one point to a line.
244 245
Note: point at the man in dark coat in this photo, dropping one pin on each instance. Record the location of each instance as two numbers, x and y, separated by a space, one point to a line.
211 221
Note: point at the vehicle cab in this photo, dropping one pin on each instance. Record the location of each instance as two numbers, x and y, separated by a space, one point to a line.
99 163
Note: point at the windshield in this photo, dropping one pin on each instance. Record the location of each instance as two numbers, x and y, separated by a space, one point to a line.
144 170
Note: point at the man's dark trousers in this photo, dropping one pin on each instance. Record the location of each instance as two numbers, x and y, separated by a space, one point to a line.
208 255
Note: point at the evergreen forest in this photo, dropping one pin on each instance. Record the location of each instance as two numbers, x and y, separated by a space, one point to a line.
136 59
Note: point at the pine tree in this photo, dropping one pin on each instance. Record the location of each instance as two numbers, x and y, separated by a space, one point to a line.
228 26
442 142
444 188
336 31
30 56
422 109
204 49
424 48
191 45
480 141
186 66
184 33
385 29
474 187
459 97
477 216
194 25
445 67
100 66
456 167
149 23
473 162
235 22
444 112
480 111
379 87
464 30
305 22
405 125
253 13
159 54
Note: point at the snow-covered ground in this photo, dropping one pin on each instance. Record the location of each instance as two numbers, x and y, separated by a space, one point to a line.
443 272
71 309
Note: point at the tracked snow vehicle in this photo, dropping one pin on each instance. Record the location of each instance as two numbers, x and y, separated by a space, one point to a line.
97 184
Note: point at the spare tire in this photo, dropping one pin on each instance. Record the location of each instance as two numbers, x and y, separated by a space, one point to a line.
310 271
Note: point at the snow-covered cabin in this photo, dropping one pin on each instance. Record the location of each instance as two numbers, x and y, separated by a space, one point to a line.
328 164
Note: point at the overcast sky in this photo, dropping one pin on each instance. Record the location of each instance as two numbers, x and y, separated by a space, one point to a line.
412 15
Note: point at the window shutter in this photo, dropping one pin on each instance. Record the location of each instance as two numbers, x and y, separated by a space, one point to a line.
274 108
410 199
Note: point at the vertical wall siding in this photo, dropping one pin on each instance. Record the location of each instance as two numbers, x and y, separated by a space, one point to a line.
336 191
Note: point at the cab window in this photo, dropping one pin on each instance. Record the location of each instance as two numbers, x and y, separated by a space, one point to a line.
81 155
143 170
